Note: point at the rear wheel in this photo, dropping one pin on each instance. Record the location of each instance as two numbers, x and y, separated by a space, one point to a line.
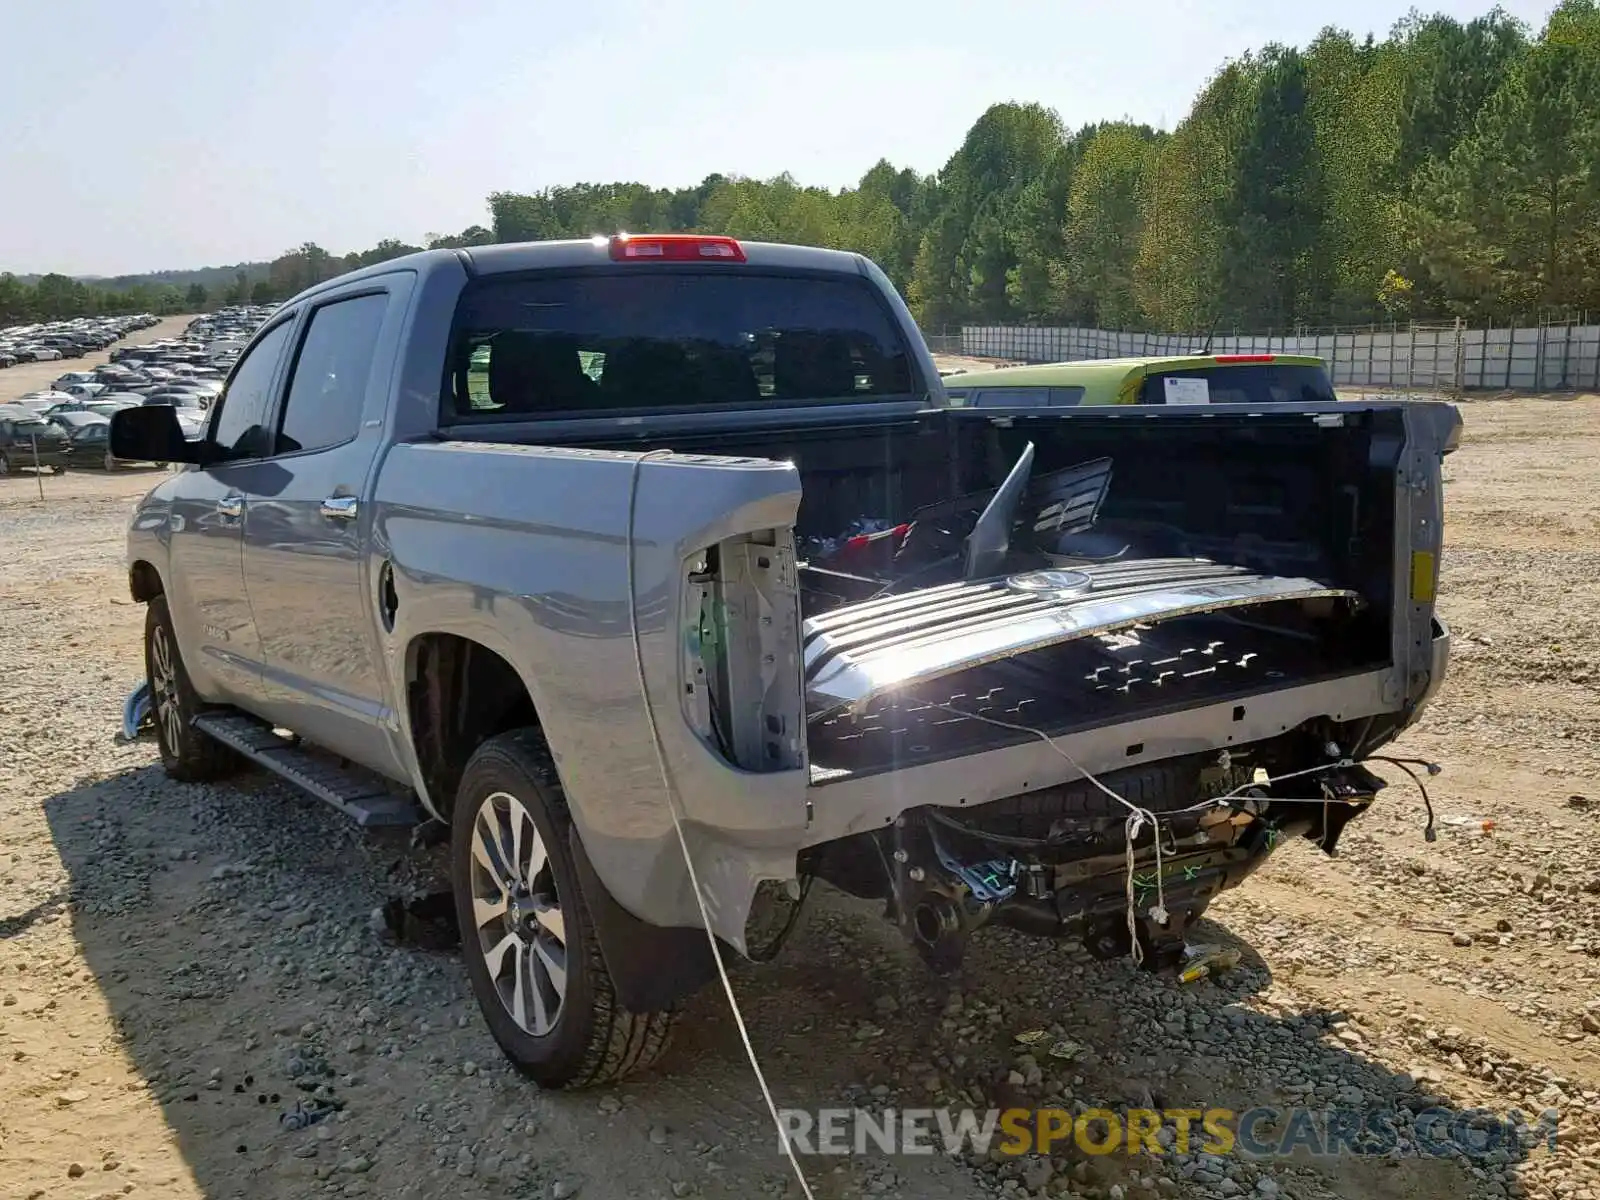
189 755
530 947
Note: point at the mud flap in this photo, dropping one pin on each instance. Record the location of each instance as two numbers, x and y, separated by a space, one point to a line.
652 966
137 720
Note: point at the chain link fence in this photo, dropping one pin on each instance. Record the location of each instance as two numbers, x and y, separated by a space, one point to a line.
1433 357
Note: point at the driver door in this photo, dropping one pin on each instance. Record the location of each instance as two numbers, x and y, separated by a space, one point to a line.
210 609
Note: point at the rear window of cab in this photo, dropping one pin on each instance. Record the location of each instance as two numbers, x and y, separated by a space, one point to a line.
1253 383
594 342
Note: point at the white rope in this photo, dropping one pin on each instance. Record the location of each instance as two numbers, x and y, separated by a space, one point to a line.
683 842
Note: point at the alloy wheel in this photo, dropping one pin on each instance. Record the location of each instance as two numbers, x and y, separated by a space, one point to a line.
517 913
164 686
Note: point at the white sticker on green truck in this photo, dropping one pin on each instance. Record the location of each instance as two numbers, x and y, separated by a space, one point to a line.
1186 391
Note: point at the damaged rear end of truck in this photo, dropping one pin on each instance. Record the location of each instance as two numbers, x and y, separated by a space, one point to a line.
1080 665
1070 670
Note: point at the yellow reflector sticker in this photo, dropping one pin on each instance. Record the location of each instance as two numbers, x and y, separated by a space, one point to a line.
1422 575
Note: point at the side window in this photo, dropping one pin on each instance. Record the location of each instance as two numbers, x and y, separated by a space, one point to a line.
329 383
241 425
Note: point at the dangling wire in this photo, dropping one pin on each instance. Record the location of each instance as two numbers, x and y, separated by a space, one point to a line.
1137 819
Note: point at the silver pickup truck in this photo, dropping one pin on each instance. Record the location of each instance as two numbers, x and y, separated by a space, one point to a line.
623 556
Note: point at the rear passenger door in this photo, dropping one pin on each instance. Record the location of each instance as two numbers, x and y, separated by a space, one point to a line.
308 573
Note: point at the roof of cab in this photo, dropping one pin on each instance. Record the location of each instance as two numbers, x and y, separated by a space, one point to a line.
506 257
596 251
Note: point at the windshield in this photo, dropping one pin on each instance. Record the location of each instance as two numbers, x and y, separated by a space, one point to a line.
1240 383
528 346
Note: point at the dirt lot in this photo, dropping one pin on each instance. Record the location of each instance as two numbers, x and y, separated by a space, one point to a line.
175 958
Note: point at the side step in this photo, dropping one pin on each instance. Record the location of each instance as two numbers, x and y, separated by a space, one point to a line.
355 793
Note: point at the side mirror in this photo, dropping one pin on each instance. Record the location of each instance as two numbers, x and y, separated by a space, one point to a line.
151 433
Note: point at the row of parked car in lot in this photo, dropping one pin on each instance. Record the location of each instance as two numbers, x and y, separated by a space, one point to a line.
69 423
66 339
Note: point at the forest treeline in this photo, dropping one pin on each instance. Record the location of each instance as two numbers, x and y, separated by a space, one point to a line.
1449 169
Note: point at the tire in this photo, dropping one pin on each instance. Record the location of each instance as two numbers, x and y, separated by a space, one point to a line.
109 463
5 465
188 755
537 930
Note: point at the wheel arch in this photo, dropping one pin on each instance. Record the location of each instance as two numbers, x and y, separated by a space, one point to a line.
459 693
144 581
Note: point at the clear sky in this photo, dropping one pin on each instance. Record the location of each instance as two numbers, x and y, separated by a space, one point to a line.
148 134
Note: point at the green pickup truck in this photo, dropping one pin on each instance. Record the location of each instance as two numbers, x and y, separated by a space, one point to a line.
1189 379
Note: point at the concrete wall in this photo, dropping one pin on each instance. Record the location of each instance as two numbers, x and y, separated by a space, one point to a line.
1427 357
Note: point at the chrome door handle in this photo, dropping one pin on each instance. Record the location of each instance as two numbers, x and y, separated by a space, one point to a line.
231 507
340 508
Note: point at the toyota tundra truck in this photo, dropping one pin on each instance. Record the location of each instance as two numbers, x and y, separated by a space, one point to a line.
662 573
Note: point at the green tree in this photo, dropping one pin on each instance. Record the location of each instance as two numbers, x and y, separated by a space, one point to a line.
1451 70
1274 273
1103 225
1187 199
16 300
967 256
1355 111
1508 223
1037 286
195 297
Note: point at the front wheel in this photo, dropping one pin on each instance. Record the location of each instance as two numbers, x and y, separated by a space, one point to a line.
189 755
530 947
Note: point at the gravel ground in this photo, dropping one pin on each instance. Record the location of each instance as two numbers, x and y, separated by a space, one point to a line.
179 965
